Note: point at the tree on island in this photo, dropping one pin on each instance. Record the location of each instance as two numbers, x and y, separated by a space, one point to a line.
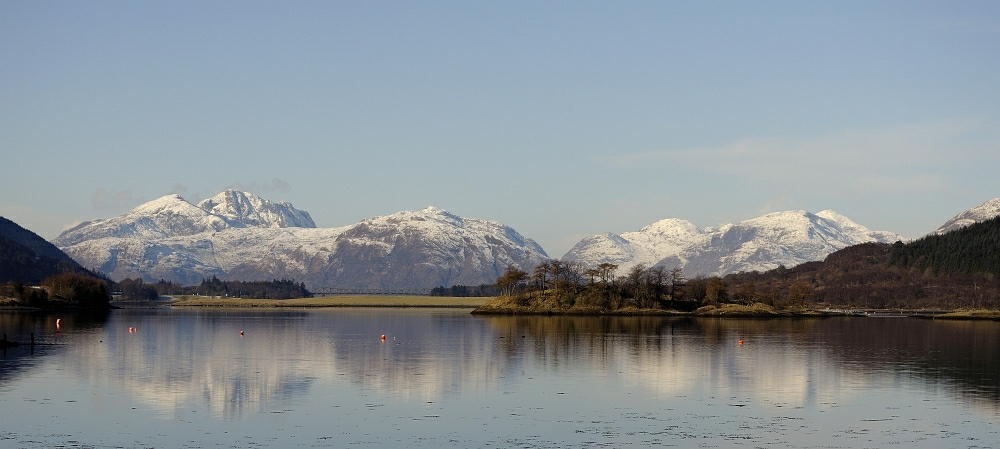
511 278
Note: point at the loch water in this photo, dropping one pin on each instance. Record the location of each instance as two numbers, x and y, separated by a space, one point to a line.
170 378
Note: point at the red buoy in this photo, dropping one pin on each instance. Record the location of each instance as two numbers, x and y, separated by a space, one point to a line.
241 333
741 342
383 337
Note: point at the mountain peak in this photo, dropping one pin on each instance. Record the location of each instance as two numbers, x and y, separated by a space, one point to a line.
671 225
245 209
979 213
437 211
421 218
172 216
831 214
172 201
778 238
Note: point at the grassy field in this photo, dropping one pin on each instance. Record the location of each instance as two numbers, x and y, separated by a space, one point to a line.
981 314
333 301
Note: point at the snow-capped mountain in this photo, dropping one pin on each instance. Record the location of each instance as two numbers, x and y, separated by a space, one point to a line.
763 243
249 210
982 212
172 216
237 235
648 246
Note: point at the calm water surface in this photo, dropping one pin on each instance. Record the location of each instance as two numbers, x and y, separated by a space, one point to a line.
324 378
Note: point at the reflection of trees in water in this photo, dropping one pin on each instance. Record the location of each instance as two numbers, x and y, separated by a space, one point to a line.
964 356
179 359
19 326
793 360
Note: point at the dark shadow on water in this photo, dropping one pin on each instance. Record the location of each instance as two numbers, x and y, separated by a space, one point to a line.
960 356
40 326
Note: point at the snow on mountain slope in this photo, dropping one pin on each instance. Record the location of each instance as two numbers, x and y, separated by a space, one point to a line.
982 212
172 216
161 218
423 248
782 238
237 235
247 210
648 246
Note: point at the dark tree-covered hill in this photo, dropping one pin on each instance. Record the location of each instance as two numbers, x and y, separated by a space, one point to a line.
29 258
972 249
958 269
30 240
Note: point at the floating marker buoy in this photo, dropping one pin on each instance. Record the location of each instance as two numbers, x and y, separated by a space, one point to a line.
383 337
241 333
741 342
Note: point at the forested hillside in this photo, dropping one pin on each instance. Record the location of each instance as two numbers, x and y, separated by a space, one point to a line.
27 261
957 269
30 240
29 258
972 249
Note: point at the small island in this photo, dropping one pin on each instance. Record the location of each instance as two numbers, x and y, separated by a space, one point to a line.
563 288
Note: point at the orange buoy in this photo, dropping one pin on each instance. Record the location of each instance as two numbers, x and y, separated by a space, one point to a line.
741 342
383 337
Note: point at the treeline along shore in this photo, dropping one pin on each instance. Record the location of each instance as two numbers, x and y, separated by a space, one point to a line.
955 273
138 290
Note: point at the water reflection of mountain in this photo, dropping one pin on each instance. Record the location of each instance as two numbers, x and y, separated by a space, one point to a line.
178 359
795 361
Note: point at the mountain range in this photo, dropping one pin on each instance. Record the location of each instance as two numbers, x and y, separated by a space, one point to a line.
758 244
238 235
977 214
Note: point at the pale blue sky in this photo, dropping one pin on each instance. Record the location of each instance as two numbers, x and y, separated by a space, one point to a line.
560 119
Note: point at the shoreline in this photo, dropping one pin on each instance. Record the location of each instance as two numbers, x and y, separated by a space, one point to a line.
756 310
481 306
368 301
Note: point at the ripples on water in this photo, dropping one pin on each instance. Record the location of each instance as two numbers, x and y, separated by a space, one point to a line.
324 378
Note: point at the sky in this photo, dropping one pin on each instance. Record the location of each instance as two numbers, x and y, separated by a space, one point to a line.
559 119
